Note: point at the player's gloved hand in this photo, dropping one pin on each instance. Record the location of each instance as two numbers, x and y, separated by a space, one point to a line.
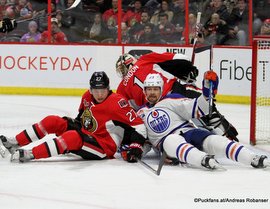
193 74
210 76
133 153
72 124
7 25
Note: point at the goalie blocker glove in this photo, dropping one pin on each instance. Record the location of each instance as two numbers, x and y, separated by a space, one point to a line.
7 25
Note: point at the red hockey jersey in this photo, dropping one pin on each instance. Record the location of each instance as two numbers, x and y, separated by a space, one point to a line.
131 87
105 119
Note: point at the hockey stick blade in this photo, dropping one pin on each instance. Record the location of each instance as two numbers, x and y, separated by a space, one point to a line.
160 165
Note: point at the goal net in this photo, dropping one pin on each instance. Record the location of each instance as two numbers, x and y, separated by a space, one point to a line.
260 91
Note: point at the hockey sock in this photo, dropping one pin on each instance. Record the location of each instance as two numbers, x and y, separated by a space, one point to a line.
50 148
221 146
176 147
50 124
70 140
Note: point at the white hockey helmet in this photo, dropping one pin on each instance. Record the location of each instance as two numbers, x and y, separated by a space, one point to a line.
124 64
153 80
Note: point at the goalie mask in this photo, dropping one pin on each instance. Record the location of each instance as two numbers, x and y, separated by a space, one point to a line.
124 64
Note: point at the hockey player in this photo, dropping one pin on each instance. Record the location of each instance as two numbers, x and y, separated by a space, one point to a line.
7 25
171 67
104 115
167 122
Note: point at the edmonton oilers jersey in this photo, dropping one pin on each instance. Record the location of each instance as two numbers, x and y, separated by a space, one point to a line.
171 115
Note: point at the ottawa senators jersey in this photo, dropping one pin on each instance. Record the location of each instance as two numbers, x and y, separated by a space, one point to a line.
107 121
131 87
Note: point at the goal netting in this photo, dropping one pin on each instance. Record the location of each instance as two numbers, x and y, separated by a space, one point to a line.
260 91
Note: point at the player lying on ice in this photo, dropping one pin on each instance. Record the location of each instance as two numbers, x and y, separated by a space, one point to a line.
172 67
167 120
105 117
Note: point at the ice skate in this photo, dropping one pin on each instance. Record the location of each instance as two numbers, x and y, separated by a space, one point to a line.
210 163
22 156
9 143
260 161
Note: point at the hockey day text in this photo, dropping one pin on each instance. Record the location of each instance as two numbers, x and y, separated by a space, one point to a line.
44 63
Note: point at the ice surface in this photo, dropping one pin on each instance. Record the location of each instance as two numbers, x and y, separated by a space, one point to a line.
71 183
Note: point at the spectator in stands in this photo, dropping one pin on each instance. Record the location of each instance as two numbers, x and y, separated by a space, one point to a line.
165 29
33 35
112 27
192 19
261 10
42 18
179 12
111 15
57 35
215 6
59 17
215 30
238 23
163 9
125 33
138 28
69 17
148 36
133 15
24 9
3 7
98 30
265 28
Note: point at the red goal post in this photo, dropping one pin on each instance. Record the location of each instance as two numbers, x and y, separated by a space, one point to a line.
260 91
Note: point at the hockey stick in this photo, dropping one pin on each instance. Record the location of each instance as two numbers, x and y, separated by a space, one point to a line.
160 165
210 99
199 14
75 4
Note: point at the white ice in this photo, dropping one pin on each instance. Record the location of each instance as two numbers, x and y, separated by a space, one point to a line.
71 183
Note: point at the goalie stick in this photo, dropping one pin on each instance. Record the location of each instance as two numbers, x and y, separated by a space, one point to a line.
75 4
160 165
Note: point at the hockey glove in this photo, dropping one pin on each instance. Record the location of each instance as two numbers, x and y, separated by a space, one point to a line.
72 124
193 74
7 25
210 76
133 153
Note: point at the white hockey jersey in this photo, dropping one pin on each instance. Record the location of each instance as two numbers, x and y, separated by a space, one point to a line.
172 114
